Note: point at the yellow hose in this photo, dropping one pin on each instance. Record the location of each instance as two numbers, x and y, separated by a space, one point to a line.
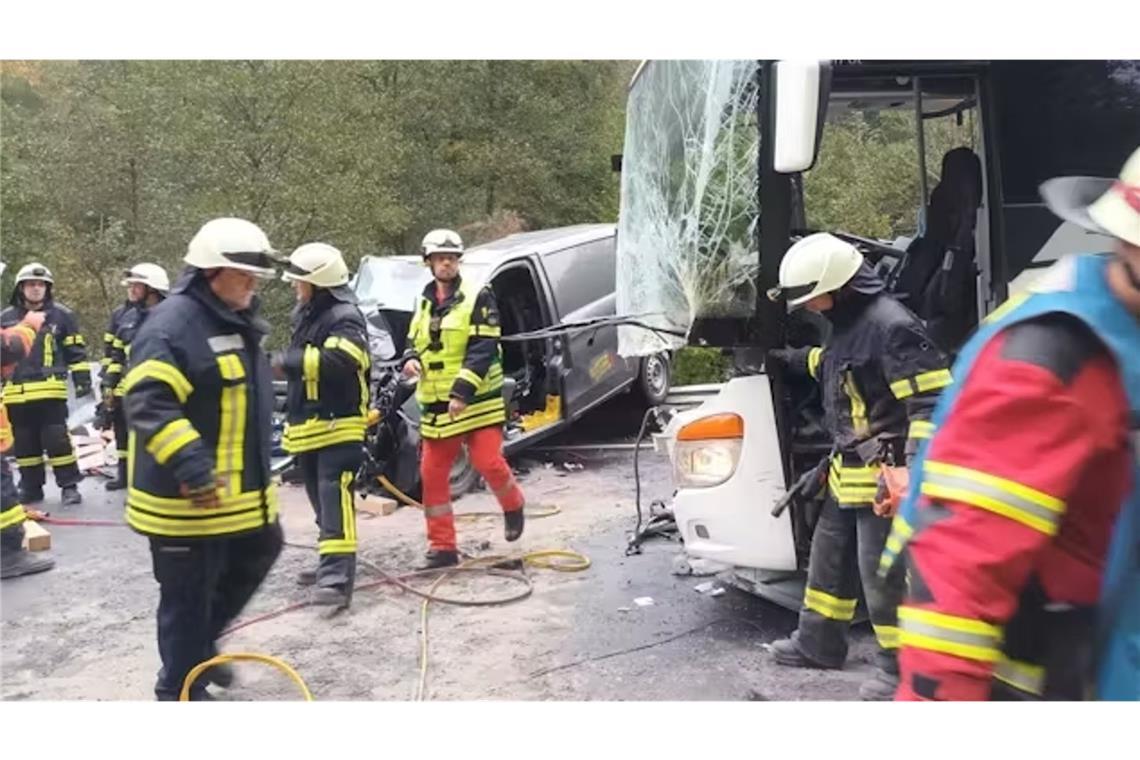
220 659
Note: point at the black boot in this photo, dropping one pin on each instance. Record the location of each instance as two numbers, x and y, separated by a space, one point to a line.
307 578
787 653
331 596
29 495
439 558
70 496
514 522
119 482
221 675
15 563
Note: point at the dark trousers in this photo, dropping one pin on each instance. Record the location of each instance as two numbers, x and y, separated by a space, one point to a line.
328 475
845 548
119 422
11 511
39 427
204 583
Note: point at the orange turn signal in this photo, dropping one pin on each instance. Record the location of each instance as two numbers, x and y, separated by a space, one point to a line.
715 427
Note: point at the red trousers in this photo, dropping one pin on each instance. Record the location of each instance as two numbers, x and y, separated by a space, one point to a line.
485 447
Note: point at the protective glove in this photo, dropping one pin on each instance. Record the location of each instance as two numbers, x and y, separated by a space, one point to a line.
203 497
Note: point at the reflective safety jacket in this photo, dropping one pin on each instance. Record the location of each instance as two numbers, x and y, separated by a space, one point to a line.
59 348
114 371
457 341
328 368
112 329
16 343
1022 527
199 406
879 376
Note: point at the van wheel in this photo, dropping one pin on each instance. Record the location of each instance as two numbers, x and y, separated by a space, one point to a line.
652 384
463 476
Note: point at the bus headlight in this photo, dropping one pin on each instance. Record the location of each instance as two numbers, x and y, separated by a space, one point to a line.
708 450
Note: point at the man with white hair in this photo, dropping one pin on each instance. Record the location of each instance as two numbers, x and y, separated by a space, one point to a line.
1021 531
199 403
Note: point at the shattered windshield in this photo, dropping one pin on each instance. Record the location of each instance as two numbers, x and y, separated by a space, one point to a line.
686 244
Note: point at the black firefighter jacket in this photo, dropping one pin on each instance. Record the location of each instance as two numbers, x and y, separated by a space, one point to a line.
59 349
199 405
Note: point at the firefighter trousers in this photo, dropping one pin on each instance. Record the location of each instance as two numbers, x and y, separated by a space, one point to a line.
119 423
11 510
203 584
329 473
845 548
485 447
39 427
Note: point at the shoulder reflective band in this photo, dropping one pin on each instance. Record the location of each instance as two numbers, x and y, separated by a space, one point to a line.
1021 675
949 634
829 606
921 429
348 347
815 356
310 371
171 439
1007 498
154 369
927 381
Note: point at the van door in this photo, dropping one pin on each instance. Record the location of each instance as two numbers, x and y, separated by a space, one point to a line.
582 279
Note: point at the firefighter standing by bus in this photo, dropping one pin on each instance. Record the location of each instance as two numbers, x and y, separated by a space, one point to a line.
147 285
454 342
199 404
327 365
879 376
36 394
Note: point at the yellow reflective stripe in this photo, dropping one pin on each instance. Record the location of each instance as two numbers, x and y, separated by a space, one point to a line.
108 338
117 343
171 439
63 461
858 406
469 376
114 368
74 340
852 485
231 425
155 369
49 350
932 381
949 634
896 540
1021 675
310 372
1008 498
887 635
815 356
1010 304
336 546
105 362
30 461
348 347
829 606
81 367
486 331
438 510
921 429
12 516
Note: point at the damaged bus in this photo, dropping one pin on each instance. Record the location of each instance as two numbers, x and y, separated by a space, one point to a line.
930 168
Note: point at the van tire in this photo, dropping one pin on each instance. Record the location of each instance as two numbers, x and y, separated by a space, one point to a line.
653 380
463 476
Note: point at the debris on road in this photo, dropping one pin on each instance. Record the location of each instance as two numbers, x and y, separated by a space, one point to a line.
643 601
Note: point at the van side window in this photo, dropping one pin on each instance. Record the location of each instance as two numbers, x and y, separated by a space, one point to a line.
582 275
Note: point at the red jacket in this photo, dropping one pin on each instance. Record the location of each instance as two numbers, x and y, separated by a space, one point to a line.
1029 472
15 343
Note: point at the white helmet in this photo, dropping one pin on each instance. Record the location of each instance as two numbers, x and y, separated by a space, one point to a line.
232 244
317 264
151 275
34 271
441 241
818 264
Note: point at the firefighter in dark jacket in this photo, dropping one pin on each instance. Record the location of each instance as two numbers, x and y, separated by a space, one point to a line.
199 403
327 366
15 343
879 376
454 337
36 395
148 285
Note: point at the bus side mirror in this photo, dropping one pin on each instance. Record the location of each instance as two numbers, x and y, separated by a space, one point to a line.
800 106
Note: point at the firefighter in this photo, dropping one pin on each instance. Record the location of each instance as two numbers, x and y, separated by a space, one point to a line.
1007 533
14 559
879 376
199 406
36 395
454 344
327 365
103 413
148 285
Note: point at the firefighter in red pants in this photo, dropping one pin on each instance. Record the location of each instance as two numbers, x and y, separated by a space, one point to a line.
454 338
1024 478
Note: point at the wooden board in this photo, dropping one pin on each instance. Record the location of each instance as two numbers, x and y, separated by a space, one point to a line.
36 537
376 505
